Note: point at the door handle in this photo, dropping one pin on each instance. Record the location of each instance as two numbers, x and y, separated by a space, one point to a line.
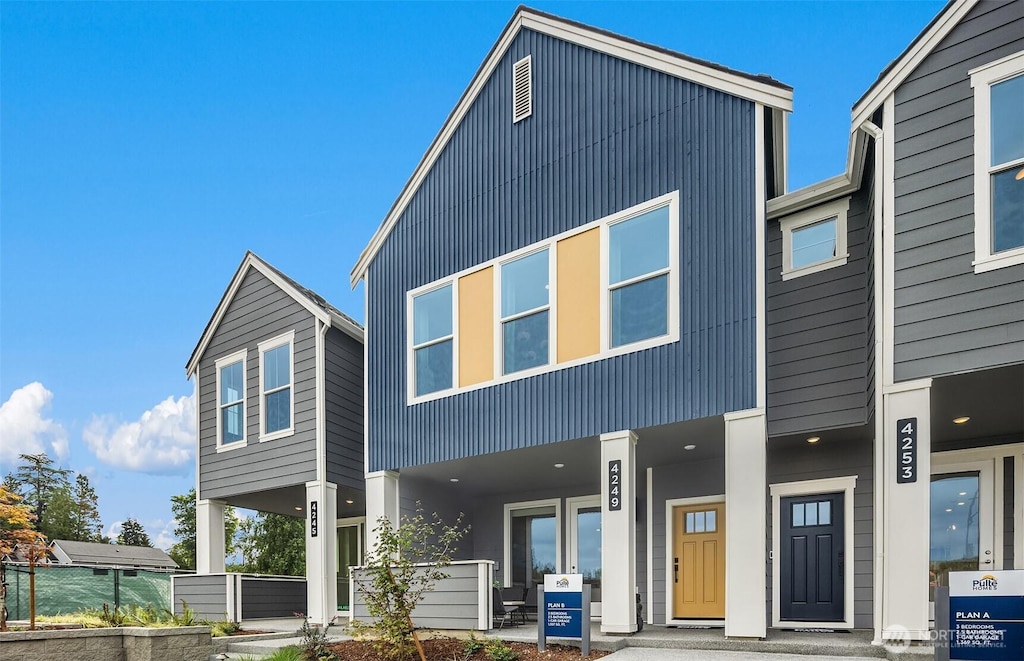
675 570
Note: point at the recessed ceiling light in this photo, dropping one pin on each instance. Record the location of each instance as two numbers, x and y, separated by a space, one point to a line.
690 447
949 509
961 503
814 439
350 501
961 420
298 509
559 465
963 493
453 479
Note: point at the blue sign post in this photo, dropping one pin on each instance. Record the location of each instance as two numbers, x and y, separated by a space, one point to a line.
986 612
564 607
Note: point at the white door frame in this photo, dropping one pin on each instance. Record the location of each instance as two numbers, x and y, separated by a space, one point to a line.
845 484
572 508
990 508
670 505
359 522
506 570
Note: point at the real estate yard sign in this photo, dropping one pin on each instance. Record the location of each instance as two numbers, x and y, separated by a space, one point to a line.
564 610
986 611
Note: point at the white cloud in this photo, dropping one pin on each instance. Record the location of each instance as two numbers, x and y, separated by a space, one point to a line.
162 534
114 530
162 440
24 429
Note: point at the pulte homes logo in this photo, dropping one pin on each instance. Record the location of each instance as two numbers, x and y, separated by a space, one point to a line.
986 583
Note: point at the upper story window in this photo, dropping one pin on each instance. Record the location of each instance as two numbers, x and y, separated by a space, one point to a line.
525 320
231 401
814 240
999 163
638 277
432 340
276 392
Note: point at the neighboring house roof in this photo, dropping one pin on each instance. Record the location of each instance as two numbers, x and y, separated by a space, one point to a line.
760 88
307 298
93 553
888 80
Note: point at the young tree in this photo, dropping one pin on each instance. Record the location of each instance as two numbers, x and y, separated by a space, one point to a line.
184 551
16 532
133 534
39 479
274 544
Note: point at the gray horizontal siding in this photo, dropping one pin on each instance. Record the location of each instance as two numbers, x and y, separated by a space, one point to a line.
343 372
454 602
947 318
259 311
820 333
604 135
266 597
801 462
205 594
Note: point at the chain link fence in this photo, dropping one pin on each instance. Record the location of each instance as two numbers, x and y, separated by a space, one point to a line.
69 589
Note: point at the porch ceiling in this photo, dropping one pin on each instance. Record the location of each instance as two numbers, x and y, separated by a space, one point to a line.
994 400
286 499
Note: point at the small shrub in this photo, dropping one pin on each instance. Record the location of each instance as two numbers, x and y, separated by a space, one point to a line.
314 642
472 645
290 653
112 618
496 650
187 618
222 628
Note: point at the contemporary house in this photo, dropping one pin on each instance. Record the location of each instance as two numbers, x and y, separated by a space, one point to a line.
599 324
278 376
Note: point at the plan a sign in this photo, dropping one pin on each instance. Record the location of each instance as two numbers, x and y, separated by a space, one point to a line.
563 605
986 612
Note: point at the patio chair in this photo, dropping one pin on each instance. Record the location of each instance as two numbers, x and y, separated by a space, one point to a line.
530 603
500 612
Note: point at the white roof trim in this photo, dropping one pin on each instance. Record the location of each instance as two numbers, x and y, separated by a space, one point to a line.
738 85
910 60
838 186
252 261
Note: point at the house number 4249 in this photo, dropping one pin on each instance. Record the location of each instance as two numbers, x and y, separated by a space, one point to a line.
906 450
615 485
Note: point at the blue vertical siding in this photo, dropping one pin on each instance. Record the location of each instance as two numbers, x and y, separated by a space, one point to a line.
604 135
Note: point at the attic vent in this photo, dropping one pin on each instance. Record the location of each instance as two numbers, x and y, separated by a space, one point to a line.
522 90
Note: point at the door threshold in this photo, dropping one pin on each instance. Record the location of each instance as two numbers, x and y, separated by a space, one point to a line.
706 624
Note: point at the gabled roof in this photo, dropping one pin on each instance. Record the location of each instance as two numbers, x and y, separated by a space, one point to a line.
93 553
307 298
888 80
759 88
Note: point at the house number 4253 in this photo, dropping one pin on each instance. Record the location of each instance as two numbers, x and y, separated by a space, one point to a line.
906 450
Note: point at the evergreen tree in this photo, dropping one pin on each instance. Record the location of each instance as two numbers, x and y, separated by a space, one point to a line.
38 480
133 534
184 551
60 515
87 524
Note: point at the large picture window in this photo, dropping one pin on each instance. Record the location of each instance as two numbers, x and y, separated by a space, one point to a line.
999 163
638 277
231 401
432 340
525 312
277 395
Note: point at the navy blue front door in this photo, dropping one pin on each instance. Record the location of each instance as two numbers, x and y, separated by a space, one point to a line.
813 564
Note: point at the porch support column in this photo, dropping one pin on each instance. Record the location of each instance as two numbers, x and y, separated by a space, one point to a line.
381 501
746 436
906 511
210 536
618 533
321 542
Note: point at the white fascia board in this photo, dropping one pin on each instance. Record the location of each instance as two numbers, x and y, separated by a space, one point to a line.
253 261
841 185
910 60
737 85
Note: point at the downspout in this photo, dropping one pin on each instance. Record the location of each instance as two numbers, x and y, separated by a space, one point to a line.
321 404
879 341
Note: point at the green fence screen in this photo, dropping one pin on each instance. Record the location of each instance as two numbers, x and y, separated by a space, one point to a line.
68 589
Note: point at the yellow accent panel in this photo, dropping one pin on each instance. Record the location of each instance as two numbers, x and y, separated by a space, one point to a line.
579 295
476 327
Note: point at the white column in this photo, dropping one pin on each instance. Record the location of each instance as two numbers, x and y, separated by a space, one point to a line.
746 436
381 501
906 512
209 536
321 542
618 533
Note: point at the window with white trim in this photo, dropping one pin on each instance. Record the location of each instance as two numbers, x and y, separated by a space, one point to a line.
525 306
277 396
639 264
999 163
814 240
231 400
433 340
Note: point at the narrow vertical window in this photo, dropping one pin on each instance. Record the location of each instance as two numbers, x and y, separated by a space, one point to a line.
638 277
524 312
231 400
432 340
277 396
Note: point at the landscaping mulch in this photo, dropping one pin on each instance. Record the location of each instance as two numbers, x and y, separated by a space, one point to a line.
446 649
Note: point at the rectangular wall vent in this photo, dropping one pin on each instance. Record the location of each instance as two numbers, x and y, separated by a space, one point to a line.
522 90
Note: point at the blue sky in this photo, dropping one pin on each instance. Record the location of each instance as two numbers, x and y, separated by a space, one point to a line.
144 147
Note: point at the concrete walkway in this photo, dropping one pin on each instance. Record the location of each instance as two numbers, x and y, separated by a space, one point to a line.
648 654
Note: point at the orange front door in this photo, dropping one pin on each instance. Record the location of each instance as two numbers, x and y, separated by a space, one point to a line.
698 561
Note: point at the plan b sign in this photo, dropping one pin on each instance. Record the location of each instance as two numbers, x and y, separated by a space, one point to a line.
563 605
986 612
